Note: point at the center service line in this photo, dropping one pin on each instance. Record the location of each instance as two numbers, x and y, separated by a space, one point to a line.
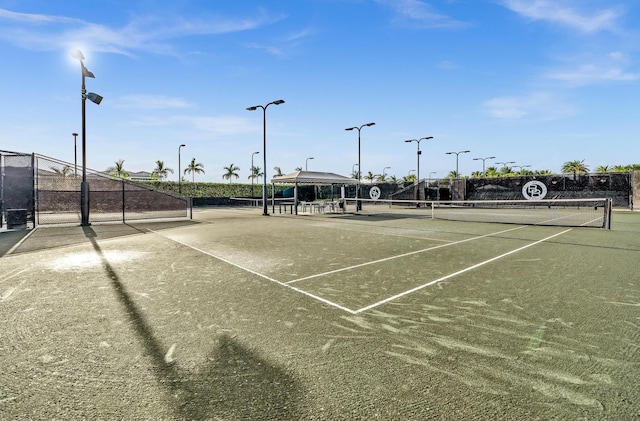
456 273
399 256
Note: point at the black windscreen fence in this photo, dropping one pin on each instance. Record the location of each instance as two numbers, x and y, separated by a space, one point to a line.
48 192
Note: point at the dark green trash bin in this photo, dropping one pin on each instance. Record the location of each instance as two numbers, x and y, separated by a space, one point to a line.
16 218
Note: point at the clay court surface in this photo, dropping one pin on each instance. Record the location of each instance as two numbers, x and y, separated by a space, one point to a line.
234 315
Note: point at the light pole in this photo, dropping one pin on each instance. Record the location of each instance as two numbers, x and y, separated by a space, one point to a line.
521 166
419 196
457 155
504 164
353 171
264 149
252 172
75 155
95 98
179 173
306 164
483 159
383 172
358 202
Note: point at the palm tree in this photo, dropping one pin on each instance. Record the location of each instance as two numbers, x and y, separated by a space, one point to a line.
161 172
370 176
231 171
255 173
62 172
452 174
393 179
620 168
278 171
298 168
602 169
543 172
575 167
492 172
193 168
118 170
411 178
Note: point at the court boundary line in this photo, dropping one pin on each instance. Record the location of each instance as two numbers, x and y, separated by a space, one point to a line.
453 243
253 272
386 300
451 275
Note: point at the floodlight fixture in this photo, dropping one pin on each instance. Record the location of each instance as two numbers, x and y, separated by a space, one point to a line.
418 190
358 202
264 146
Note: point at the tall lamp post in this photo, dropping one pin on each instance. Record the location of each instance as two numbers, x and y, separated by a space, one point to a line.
252 172
418 190
384 173
264 149
358 202
75 155
504 164
95 98
353 171
306 163
457 155
179 173
483 159
521 166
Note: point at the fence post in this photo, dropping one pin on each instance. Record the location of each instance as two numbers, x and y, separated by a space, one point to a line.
123 204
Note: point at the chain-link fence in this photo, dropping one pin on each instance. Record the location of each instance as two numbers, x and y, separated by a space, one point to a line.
44 190
616 186
110 198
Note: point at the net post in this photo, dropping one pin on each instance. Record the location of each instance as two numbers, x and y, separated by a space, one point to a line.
608 205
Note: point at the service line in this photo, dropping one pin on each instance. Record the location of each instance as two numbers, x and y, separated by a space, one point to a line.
386 259
402 294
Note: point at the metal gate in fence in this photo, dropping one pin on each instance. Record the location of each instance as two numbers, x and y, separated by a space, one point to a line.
16 190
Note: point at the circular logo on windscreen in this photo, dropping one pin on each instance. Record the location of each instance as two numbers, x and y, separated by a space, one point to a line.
534 190
374 193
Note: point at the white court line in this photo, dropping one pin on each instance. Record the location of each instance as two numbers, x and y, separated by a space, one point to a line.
19 243
369 307
15 272
315 297
399 256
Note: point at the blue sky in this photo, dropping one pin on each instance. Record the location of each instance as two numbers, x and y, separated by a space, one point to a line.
538 82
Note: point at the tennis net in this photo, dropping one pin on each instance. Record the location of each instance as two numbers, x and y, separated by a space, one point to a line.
594 213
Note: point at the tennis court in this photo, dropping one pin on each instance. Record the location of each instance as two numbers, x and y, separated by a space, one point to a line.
235 315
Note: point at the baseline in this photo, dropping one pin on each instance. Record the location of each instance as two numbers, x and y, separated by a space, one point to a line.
253 272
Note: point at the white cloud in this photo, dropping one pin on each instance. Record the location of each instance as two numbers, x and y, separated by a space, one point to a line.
155 102
448 65
537 106
589 74
416 12
610 68
221 125
47 32
557 12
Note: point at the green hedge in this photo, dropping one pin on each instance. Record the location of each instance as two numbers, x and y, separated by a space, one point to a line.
211 189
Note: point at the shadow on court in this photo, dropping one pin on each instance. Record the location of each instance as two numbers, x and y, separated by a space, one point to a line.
43 238
9 239
236 384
